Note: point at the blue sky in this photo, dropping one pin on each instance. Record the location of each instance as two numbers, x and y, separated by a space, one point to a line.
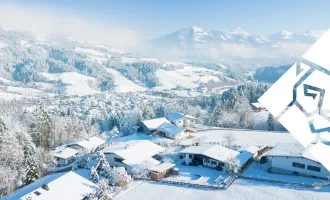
156 18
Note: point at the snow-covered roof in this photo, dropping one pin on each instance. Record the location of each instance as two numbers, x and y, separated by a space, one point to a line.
190 117
64 152
61 186
216 152
252 149
175 116
171 128
291 150
135 152
90 143
246 152
152 124
244 156
161 167
257 105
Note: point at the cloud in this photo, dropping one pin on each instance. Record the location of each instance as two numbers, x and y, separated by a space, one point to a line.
43 22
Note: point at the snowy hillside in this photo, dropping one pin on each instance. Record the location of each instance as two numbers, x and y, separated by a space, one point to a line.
73 67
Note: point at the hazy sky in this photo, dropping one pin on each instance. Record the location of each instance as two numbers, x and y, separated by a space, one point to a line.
151 18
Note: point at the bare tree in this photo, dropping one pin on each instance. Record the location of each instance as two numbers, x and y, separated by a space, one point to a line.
229 139
232 165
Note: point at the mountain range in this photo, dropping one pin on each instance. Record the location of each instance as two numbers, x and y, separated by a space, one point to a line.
188 59
233 48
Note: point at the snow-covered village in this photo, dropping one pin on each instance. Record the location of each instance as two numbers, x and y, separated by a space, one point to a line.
95 105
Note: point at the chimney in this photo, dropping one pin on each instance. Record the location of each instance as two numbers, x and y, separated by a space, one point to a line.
45 186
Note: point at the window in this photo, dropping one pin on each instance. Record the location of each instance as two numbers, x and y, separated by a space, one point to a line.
190 156
206 160
118 159
213 162
298 165
313 168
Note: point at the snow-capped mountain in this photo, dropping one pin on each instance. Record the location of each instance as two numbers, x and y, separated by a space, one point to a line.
233 48
195 35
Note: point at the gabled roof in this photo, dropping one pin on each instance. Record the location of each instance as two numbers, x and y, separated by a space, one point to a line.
61 186
64 152
161 167
135 152
175 116
257 105
252 149
291 150
152 124
90 143
171 128
216 152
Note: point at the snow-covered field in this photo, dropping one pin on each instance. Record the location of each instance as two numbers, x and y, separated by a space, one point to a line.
9 96
198 175
24 91
89 51
123 84
187 77
244 137
240 190
76 84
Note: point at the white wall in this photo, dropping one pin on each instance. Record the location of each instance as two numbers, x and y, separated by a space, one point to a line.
286 163
111 159
186 159
210 164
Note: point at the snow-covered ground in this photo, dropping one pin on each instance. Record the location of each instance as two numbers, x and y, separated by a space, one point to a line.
198 175
76 84
3 45
244 137
25 91
257 170
123 84
89 51
9 96
241 189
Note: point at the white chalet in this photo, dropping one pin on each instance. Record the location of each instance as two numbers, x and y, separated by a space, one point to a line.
293 158
133 153
214 156
69 185
64 155
180 119
88 145
151 125
172 131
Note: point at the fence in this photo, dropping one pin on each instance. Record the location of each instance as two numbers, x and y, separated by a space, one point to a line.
219 187
184 183
314 185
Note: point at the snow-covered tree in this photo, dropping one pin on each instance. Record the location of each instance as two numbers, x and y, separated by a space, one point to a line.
119 177
103 167
32 171
41 127
271 122
103 192
232 165
160 111
148 113
141 170
94 175
229 139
